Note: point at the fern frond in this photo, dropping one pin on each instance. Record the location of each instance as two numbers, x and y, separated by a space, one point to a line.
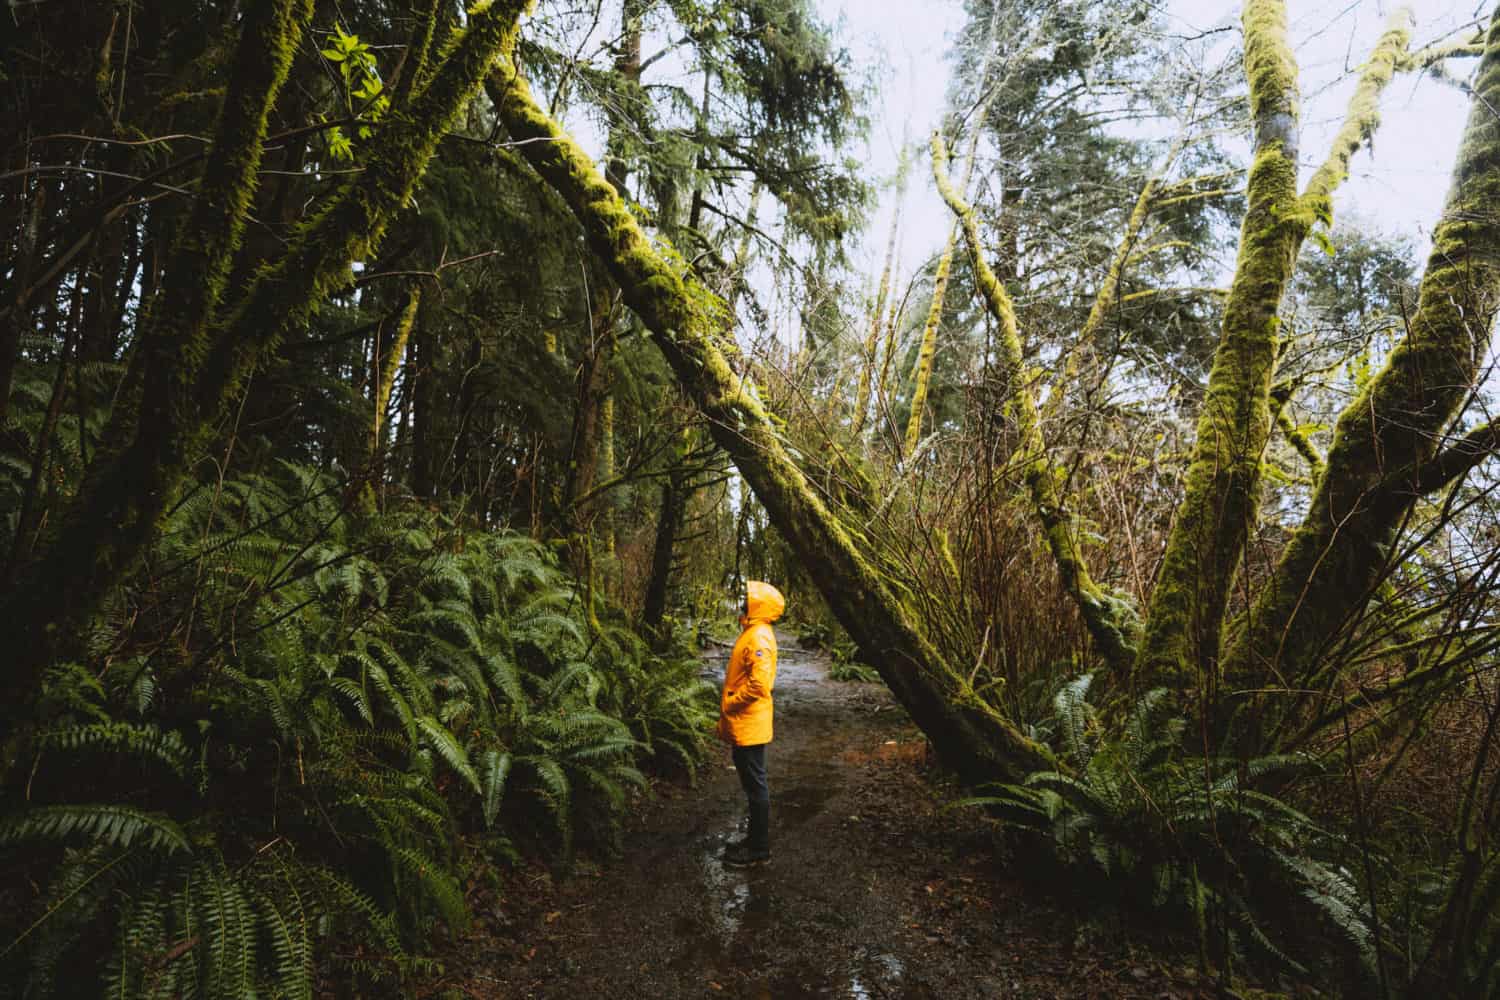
494 769
114 825
133 739
436 736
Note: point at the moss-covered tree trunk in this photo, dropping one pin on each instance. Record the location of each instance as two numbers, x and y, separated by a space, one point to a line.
1222 488
687 322
870 361
385 362
193 357
1381 461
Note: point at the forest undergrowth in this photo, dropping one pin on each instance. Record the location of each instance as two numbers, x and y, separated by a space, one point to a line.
302 731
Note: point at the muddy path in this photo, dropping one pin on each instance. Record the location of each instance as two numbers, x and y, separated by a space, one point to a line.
873 890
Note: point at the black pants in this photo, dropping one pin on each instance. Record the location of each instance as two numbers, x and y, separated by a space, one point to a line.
750 762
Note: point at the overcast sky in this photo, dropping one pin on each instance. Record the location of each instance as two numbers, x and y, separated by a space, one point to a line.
1400 187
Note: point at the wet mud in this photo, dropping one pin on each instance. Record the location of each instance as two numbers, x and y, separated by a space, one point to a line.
874 890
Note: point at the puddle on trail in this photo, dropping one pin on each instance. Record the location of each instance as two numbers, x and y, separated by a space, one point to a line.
726 939
734 935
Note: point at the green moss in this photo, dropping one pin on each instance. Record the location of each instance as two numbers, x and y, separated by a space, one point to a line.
1222 488
1362 117
922 373
688 334
1334 560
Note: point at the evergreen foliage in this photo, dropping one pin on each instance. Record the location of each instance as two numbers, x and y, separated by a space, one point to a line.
357 701
1193 836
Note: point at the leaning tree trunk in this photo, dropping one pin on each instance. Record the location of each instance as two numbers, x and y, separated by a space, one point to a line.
1384 455
1222 489
687 322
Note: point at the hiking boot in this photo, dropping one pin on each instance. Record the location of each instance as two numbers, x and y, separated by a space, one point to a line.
743 855
756 847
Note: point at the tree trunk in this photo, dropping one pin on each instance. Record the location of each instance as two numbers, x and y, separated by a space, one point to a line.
386 358
968 734
674 497
18 315
590 387
1385 438
1222 488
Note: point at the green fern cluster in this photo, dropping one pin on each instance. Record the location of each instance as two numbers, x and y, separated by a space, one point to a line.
31 393
1189 834
293 727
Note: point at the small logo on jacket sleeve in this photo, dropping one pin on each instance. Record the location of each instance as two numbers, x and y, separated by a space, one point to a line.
760 652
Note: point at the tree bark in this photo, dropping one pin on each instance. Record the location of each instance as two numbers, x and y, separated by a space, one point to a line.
674 496
387 362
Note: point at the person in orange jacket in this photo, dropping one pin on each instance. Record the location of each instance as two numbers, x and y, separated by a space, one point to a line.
745 715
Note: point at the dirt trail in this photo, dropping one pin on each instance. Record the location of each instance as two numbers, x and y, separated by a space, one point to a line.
873 891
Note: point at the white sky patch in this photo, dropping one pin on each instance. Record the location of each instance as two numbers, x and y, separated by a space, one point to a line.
1398 187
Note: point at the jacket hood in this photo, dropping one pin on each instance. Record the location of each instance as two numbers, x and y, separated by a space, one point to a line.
764 603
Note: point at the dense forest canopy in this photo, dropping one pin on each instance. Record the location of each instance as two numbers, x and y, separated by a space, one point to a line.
394 393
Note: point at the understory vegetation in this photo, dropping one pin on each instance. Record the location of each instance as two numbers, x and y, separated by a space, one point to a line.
375 460
306 731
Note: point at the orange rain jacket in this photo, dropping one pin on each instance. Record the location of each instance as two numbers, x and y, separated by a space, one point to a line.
745 704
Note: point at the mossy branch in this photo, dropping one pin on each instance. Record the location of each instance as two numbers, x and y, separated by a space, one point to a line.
1432 55
1300 442
1363 115
1454 462
1383 457
1110 619
1222 485
687 322
1107 295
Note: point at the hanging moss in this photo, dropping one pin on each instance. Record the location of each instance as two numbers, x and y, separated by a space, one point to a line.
688 323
